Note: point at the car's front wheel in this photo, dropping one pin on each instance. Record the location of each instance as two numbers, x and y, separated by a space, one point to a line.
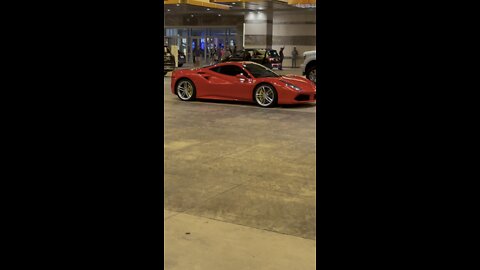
312 74
265 95
185 90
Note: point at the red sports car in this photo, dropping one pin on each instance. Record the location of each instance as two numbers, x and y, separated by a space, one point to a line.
242 81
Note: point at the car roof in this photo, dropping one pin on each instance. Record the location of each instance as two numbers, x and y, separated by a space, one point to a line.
235 63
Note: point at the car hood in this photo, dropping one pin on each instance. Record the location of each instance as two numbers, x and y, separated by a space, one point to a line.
298 81
309 53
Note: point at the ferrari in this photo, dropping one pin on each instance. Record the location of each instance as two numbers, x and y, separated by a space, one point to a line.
242 81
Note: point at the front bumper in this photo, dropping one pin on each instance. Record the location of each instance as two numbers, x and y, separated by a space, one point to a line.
290 97
306 97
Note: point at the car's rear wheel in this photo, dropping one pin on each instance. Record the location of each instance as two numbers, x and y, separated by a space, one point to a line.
265 95
312 74
185 90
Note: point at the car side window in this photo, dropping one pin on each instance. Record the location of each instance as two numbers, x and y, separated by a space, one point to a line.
229 70
217 69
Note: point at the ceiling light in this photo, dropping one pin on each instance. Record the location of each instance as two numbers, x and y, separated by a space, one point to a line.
305 5
178 5
219 14
208 9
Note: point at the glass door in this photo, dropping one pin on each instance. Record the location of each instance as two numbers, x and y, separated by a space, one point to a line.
198 49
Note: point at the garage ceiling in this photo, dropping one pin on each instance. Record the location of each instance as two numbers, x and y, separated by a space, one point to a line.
226 7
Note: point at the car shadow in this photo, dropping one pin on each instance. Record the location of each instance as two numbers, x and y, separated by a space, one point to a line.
286 106
296 106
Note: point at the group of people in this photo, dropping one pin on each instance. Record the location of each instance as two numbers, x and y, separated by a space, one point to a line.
294 56
216 55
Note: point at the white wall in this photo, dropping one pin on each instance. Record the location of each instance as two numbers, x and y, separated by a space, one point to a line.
290 24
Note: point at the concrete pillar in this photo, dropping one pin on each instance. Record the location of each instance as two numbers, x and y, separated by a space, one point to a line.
239 36
259 28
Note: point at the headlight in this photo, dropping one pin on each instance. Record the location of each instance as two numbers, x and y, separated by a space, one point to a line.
292 86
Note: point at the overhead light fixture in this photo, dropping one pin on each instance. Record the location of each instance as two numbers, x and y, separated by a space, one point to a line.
219 15
303 3
168 9
212 4
208 9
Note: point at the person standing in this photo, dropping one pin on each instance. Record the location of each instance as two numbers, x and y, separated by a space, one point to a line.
193 53
281 58
212 55
196 53
228 52
248 57
220 52
294 57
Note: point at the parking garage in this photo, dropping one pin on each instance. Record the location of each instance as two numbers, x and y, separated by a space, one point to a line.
239 179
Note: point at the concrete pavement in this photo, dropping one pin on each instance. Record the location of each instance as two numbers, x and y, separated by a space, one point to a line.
198 243
240 180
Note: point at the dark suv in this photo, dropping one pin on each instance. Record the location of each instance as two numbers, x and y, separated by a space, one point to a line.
267 57
168 61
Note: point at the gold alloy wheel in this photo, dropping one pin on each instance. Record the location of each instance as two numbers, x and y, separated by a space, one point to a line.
265 96
185 90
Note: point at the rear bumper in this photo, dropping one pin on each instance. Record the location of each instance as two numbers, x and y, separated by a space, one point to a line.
168 68
276 65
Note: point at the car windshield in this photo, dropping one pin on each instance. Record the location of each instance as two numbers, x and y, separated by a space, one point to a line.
259 71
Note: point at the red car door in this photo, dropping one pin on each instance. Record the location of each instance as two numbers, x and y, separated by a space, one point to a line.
227 85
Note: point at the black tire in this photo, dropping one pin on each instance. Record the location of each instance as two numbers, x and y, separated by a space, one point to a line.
269 97
190 91
311 74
